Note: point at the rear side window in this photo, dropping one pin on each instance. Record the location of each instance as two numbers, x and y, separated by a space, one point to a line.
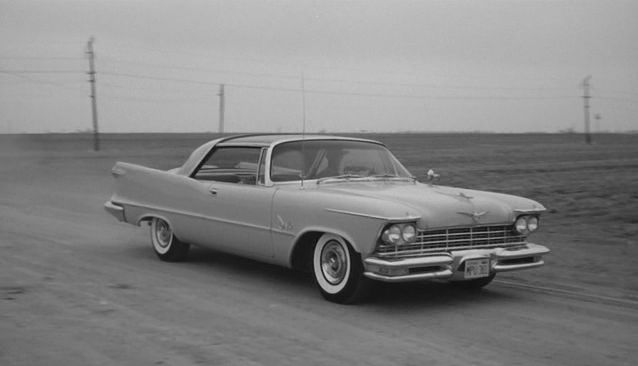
230 165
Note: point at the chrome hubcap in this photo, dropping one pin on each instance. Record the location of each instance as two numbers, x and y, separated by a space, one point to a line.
333 263
164 234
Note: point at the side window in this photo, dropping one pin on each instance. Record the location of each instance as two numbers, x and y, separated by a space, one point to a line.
230 165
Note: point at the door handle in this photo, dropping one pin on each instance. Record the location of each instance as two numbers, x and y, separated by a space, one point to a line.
212 191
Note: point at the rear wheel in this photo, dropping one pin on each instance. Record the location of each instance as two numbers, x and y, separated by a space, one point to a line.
167 247
338 271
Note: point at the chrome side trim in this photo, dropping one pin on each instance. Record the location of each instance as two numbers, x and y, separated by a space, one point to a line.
530 210
282 232
386 218
196 215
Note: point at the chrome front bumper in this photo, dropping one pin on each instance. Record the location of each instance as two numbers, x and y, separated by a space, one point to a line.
449 266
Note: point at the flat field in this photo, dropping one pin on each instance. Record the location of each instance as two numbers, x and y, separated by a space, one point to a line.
79 288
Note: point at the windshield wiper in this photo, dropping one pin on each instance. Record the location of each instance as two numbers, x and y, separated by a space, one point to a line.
338 177
357 176
394 176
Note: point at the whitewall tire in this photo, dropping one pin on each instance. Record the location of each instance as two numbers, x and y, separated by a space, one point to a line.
165 243
338 270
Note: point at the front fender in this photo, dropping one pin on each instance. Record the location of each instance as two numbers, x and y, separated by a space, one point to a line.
358 220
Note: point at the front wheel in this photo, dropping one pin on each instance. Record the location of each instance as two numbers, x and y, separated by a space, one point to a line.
338 271
167 247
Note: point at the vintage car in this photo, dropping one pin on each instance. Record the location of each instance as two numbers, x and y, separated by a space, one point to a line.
342 208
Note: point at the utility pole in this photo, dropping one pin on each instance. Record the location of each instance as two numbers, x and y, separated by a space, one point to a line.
586 98
91 54
221 108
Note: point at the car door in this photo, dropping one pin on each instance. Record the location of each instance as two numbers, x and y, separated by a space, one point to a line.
234 207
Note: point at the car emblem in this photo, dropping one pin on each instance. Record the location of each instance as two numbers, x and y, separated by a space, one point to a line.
474 215
284 225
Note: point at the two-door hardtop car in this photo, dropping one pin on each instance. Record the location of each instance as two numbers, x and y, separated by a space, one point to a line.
342 208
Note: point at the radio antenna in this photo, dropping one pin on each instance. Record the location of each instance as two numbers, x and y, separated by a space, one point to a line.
303 128
303 103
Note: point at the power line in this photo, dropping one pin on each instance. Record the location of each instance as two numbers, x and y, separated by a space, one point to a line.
40 81
618 99
39 58
294 77
40 71
163 101
328 92
262 61
310 91
198 69
335 80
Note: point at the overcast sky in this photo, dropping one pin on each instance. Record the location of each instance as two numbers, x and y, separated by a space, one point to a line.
501 66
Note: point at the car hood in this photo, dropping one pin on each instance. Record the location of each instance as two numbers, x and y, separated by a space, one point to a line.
441 206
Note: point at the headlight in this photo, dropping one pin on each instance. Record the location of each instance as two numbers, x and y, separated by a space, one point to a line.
521 225
392 235
532 223
399 234
408 234
526 224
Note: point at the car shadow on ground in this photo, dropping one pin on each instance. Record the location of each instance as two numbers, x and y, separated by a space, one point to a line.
285 281
249 270
435 294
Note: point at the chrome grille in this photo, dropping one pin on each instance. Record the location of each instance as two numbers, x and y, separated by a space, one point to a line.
445 240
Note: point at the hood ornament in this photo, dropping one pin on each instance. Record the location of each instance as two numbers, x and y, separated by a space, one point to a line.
475 216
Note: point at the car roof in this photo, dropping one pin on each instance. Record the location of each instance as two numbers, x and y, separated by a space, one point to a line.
270 139
255 140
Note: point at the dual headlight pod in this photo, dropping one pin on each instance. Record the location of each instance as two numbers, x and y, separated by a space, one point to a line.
526 224
399 234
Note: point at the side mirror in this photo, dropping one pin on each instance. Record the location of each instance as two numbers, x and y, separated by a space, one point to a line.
432 176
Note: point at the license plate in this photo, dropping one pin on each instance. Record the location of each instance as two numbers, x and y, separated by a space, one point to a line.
477 268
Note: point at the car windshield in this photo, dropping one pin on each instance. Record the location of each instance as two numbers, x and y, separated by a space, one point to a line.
327 159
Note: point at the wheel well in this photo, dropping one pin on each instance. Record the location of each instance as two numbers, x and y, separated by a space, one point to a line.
301 258
148 218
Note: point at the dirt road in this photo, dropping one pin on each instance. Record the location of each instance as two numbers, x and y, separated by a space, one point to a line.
78 288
